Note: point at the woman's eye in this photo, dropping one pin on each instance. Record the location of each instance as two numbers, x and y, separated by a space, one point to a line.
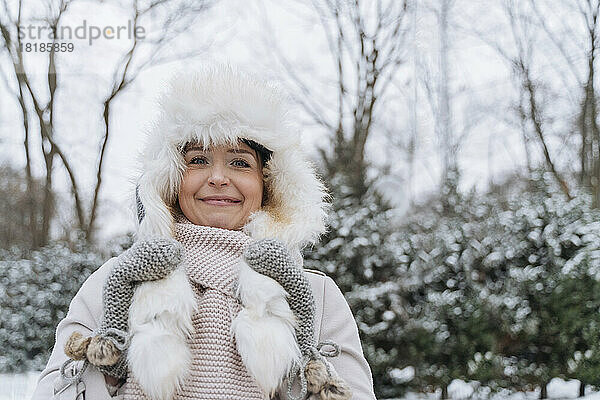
240 163
198 160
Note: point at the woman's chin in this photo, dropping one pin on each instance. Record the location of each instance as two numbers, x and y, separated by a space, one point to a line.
218 217
222 223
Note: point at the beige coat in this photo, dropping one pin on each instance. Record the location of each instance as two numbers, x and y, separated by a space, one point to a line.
333 321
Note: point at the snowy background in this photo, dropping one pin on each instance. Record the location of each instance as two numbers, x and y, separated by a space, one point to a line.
20 386
460 141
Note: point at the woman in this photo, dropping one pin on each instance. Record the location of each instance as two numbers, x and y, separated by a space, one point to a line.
233 316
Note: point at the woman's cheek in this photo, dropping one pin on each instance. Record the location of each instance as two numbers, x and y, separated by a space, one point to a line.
192 180
258 197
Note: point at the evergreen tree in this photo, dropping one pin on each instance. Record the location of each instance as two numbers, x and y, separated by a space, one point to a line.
354 254
487 286
441 286
36 288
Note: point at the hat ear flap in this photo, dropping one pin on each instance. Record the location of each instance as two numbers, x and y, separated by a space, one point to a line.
141 211
154 214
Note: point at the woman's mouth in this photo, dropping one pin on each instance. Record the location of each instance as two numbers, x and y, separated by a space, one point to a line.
221 201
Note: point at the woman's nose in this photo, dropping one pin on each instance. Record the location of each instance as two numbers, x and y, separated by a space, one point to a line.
217 177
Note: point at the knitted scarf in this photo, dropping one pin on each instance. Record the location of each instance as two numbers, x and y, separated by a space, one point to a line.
217 370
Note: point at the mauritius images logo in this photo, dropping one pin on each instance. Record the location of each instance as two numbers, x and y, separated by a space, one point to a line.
83 31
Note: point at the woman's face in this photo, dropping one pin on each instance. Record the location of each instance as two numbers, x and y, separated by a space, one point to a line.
221 186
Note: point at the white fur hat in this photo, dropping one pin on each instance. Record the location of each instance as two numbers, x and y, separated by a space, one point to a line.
220 105
213 106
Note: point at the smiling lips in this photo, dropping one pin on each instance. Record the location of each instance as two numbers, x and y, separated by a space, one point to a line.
220 200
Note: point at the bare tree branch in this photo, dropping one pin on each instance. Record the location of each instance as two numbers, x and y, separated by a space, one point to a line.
557 42
175 21
125 73
302 95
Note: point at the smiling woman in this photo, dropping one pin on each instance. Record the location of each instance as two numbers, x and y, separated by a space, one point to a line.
221 186
212 300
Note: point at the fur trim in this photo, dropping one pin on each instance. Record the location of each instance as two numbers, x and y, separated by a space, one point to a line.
76 346
159 362
334 388
296 212
158 220
316 375
219 105
265 329
102 352
160 321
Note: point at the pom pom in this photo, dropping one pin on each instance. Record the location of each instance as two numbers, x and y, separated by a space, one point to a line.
102 352
336 389
76 346
316 375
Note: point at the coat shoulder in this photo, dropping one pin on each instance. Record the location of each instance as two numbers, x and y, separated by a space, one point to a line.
318 282
89 297
95 281
314 271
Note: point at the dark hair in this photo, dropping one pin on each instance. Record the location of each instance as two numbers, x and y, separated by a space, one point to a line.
262 151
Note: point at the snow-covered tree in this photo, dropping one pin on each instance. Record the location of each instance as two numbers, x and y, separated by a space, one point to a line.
499 288
354 254
36 288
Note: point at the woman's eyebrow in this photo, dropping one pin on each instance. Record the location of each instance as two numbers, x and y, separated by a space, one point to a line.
236 151
198 148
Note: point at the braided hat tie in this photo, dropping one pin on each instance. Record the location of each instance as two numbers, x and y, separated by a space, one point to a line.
106 348
271 258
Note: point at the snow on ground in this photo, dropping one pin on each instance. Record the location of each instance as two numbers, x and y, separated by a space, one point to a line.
20 387
17 387
459 390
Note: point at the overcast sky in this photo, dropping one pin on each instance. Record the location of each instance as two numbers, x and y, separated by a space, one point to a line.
244 33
